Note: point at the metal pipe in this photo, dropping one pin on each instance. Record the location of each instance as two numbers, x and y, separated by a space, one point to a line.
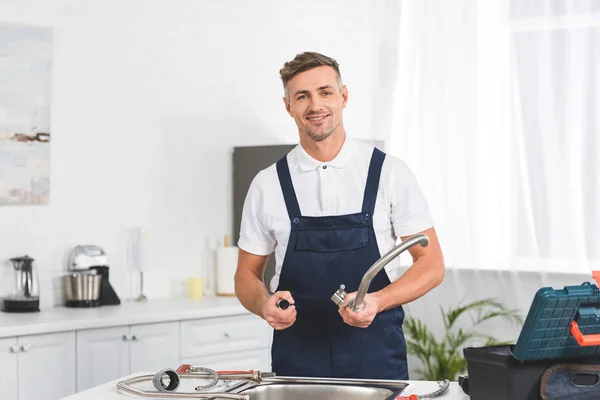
338 297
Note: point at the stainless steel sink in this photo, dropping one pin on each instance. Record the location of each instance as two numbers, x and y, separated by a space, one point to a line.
314 391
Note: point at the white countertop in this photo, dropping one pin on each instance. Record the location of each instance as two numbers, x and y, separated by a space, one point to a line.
58 319
109 390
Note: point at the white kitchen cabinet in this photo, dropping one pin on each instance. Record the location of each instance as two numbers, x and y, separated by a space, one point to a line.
102 356
154 347
224 335
236 342
8 369
37 367
107 354
46 366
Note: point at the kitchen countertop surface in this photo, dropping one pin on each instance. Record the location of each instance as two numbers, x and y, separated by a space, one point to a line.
109 390
60 319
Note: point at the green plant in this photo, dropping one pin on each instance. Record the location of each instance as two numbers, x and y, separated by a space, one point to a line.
443 359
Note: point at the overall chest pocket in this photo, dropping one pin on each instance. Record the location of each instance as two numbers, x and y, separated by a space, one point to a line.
332 239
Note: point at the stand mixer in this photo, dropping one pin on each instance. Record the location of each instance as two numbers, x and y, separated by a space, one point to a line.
25 296
87 284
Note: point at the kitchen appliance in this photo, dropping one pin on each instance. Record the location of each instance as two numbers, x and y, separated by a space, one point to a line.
88 284
139 256
25 296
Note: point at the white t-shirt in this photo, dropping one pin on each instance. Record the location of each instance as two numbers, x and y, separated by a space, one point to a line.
332 188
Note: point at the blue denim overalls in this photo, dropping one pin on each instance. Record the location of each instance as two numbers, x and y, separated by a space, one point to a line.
322 253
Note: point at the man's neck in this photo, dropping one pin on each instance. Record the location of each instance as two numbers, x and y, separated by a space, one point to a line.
325 150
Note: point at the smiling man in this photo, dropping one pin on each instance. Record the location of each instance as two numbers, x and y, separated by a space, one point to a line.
328 210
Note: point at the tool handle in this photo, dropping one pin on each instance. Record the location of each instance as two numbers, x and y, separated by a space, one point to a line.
584 340
283 304
596 276
184 368
590 339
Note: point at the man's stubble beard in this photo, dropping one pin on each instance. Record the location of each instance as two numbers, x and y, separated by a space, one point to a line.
319 137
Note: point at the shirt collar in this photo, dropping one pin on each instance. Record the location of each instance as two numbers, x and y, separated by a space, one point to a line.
307 163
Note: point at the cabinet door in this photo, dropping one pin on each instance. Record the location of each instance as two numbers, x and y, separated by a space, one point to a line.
8 369
257 360
154 347
102 356
46 366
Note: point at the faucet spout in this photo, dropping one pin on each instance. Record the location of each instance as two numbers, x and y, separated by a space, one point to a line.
357 304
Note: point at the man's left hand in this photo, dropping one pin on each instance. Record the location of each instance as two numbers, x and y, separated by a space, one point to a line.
362 318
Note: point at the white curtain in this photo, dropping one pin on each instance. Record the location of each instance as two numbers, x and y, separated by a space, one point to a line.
556 103
495 110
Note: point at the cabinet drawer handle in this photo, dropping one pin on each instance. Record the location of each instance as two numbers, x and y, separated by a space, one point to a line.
14 348
135 337
227 335
25 348
126 337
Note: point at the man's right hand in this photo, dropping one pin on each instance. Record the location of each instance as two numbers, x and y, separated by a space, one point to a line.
279 319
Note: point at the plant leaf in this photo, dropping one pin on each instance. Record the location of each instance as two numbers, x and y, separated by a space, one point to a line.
452 315
511 315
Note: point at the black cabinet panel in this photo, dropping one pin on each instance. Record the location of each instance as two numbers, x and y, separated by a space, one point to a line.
247 162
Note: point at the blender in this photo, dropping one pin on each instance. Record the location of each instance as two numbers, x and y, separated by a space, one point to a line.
25 296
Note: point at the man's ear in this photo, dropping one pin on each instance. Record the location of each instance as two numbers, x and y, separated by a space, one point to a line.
344 96
287 106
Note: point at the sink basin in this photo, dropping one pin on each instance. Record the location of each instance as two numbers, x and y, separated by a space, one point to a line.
315 391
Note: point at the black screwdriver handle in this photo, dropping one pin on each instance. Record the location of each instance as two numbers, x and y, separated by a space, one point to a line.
283 304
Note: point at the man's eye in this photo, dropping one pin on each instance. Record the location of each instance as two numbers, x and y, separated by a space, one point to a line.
327 93
301 97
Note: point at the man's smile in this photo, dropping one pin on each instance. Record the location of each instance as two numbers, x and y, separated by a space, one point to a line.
317 118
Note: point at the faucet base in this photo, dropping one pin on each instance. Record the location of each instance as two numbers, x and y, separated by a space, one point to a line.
339 296
354 308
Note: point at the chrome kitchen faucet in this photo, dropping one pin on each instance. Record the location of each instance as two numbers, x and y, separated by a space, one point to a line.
339 296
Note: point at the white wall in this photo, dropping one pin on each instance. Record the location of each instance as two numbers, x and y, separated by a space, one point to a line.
148 99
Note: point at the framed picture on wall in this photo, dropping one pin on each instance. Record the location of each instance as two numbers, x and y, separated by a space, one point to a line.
25 97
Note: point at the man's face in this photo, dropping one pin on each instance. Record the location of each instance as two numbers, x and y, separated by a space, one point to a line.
315 101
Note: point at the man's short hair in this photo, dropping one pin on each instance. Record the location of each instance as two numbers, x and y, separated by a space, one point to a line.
304 62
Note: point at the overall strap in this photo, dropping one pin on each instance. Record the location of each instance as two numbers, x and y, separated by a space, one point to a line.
372 186
285 180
